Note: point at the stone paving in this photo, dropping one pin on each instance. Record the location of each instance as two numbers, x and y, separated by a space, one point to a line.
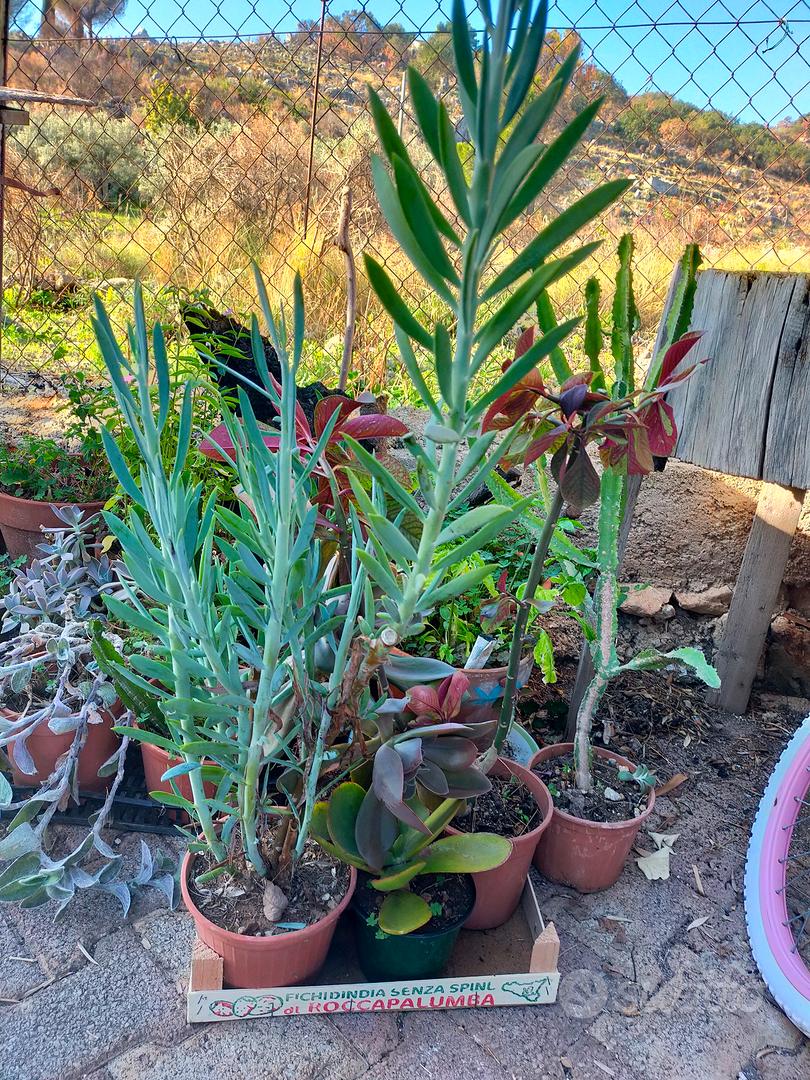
641 996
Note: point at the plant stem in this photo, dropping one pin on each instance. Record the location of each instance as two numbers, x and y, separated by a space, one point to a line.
521 619
606 595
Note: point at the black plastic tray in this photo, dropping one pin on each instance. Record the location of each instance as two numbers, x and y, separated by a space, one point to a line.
133 810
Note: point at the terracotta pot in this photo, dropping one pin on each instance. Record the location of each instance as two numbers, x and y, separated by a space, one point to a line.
282 960
22 522
498 891
45 747
156 761
588 855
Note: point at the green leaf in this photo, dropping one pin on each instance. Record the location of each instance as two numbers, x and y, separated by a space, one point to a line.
389 200
426 110
389 297
544 657
651 660
556 233
6 794
386 480
453 169
467 523
168 798
19 842
415 210
458 585
551 161
467 853
399 879
402 912
344 806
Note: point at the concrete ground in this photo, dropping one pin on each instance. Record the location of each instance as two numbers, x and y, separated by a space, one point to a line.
657 978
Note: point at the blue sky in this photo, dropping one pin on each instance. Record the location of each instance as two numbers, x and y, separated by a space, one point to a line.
733 55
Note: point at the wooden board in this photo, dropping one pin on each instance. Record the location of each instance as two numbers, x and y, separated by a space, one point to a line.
744 412
537 985
755 594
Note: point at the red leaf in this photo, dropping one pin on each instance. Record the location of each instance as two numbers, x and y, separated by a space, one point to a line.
544 443
676 352
662 433
329 405
579 482
372 426
639 458
424 701
219 443
450 692
524 342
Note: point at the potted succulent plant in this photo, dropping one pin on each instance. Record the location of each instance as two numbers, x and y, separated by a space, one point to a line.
55 700
602 799
414 892
37 475
227 591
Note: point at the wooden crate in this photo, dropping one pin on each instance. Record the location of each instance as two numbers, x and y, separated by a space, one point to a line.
535 985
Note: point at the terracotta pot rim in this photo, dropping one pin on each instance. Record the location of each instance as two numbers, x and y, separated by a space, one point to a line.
613 826
263 944
53 502
532 833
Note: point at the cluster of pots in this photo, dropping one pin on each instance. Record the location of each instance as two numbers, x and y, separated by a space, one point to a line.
587 855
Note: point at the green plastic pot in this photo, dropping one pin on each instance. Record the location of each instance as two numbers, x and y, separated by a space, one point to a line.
422 954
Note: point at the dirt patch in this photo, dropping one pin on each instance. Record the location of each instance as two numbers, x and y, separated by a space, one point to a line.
508 809
447 896
236 902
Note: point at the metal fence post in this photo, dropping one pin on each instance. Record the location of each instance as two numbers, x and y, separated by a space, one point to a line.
4 20
314 116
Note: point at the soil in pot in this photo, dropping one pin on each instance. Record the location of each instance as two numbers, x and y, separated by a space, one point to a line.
424 953
519 807
237 903
262 943
589 854
611 799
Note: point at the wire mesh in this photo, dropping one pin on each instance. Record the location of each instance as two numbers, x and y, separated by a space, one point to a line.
200 155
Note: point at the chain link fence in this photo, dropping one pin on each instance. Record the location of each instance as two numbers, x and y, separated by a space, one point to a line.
200 155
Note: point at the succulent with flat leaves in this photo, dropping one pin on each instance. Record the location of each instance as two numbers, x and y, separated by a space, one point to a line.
394 841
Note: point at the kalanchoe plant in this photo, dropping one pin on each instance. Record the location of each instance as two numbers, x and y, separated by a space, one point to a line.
394 841
49 676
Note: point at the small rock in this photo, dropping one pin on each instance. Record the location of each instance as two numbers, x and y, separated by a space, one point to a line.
799 705
613 796
666 613
646 601
707 602
274 902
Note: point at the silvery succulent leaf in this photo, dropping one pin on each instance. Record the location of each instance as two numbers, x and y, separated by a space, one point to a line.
23 760
119 890
18 842
21 679
61 725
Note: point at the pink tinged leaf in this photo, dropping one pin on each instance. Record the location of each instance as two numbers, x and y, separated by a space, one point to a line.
432 777
661 430
550 440
451 753
329 405
676 352
373 426
524 342
388 784
450 693
424 702
579 482
375 831
639 458
466 784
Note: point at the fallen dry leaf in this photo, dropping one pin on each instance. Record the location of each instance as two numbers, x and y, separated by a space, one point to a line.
698 881
695 923
655 866
671 784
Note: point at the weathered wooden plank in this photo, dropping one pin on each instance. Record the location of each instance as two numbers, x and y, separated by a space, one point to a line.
722 411
755 594
786 459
